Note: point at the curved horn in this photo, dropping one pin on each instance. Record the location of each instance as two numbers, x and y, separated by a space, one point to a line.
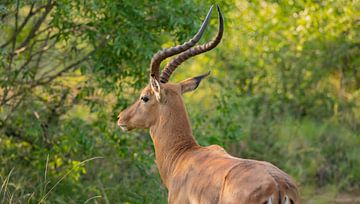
165 53
173 64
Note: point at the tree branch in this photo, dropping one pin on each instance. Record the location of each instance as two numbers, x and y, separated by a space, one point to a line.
17 31
37 25
66 69
47 79
14 39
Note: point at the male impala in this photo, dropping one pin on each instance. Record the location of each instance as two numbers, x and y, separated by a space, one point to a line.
191 173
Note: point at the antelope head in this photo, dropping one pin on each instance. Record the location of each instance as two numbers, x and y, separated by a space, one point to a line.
160 96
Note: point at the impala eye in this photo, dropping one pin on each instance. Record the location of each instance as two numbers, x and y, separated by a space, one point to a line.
144 98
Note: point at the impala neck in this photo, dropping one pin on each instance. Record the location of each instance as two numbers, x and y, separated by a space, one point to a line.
172 137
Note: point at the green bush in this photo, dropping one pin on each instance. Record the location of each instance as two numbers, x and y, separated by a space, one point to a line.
284 88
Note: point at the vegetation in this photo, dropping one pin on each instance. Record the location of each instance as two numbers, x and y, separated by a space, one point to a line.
285 88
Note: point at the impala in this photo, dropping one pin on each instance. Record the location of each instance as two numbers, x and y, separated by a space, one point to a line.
190 172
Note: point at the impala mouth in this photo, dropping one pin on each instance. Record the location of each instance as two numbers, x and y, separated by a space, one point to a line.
123 128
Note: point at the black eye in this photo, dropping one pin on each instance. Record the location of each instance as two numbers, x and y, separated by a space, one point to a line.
144 98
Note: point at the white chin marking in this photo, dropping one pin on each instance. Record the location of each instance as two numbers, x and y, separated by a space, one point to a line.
124 128
286 200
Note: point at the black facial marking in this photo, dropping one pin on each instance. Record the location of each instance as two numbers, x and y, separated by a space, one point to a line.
144 98
279 197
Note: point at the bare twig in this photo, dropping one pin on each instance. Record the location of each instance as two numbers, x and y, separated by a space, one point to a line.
17 104
43 81
40 51
47 79
11 57
43 49
66 69
38 23
18 30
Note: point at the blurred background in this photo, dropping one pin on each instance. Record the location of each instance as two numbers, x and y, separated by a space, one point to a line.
284 87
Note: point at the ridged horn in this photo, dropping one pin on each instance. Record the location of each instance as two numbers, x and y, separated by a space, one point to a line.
173 64
168 52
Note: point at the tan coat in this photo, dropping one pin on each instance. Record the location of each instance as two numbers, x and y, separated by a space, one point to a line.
210 175
195 174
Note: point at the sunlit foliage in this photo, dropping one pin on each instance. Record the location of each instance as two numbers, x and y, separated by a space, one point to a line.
284 88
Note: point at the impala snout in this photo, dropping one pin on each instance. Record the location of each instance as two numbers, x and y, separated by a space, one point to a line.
138 115
124 119
121 122
122 126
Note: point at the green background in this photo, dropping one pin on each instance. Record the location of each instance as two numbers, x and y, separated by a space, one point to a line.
284 87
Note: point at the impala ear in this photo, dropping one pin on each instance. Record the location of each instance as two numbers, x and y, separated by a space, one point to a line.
192 83
155 86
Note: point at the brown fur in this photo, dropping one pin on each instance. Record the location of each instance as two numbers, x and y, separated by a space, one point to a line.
195 174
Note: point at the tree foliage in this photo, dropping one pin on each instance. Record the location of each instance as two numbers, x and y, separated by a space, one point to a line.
285 88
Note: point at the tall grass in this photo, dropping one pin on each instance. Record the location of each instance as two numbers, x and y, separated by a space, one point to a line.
9 189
